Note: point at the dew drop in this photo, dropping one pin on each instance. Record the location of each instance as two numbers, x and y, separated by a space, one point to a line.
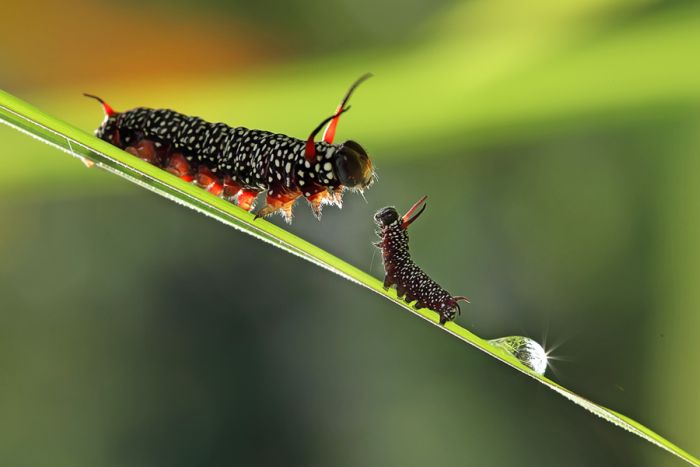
530 353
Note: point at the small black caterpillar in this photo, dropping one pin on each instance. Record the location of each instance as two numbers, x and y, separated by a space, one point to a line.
401 271
237 163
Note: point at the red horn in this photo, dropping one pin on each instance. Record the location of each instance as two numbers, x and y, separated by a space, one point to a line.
310 150
105 106
329 134
407 220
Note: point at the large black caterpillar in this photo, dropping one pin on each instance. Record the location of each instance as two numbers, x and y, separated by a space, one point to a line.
410 280
237 163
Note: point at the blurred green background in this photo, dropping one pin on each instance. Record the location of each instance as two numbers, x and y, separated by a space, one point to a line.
558 142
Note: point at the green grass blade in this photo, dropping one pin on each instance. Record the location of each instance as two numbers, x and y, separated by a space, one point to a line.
24 117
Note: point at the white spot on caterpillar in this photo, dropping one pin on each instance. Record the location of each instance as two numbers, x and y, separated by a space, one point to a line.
327 166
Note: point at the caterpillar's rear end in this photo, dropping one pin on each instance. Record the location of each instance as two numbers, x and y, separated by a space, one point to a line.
238 163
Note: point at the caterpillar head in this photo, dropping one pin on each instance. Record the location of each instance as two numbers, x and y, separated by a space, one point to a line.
386 217
353 166
351 163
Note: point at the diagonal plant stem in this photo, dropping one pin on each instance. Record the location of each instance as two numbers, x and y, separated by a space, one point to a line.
31 121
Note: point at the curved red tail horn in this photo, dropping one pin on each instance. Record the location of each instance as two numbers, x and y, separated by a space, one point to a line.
105 106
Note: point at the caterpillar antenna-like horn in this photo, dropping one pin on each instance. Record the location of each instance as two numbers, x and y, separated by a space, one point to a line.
329 133
105 106
407 220
310 150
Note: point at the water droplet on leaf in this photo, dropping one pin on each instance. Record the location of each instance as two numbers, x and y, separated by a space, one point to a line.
530 353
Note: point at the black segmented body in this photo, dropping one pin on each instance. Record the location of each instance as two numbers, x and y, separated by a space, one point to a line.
410 280
255 159
238 163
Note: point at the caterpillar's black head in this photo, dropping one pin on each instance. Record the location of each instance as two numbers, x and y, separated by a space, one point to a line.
352 166
386 217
